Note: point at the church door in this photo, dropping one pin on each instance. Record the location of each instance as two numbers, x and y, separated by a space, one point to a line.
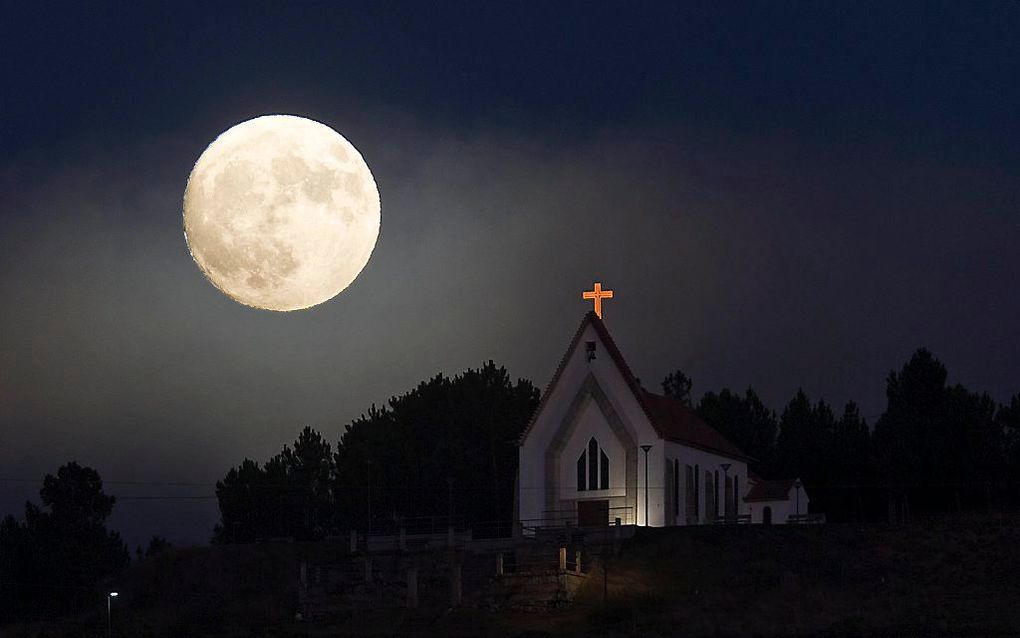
592 513
766 515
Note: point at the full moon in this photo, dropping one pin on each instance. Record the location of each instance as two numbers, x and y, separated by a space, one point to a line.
281 213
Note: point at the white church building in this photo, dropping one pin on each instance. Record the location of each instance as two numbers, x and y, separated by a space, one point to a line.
601 449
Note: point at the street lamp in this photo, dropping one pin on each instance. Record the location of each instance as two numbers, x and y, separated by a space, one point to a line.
109 622
797 502
726 491
646 448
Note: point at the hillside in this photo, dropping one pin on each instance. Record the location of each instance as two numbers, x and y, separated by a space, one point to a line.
953 576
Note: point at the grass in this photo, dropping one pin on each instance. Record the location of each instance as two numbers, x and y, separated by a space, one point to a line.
951 576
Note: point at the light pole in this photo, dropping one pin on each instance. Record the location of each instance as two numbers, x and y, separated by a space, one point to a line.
726 490
109 618
368 463
797 502
646 448
449 501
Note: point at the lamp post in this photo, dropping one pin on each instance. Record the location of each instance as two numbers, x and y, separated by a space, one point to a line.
109 617
726 491
368 464
449 501
646 448
797 502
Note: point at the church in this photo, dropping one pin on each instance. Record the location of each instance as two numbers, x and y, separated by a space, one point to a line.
601 449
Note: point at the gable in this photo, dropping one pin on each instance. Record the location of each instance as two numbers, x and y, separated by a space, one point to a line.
666 418
575 370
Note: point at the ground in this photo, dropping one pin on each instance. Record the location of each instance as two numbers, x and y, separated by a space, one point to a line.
951 576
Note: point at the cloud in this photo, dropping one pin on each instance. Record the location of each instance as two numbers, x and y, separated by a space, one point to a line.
744 261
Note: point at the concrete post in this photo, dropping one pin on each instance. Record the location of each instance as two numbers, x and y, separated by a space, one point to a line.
499 564
455 582
412 586
563 559
403 539
577 561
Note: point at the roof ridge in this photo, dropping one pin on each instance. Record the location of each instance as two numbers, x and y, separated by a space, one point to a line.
637 390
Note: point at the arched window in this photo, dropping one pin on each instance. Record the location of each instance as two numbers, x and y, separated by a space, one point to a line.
593 468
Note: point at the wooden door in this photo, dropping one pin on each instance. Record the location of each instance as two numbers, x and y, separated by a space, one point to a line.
592 513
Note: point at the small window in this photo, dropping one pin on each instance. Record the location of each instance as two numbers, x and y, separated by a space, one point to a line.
581 473
589 348
593 466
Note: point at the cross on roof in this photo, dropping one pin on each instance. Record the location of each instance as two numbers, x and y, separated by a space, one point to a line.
597 295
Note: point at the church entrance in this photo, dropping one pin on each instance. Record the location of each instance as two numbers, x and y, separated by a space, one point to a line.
592 513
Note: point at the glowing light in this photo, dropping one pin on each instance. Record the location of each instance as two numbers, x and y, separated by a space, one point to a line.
281 213
597 295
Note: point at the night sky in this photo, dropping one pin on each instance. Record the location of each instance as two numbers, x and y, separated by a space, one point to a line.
781 194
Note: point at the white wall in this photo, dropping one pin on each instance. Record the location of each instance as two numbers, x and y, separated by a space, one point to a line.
705 462
593 424
781 510
532 481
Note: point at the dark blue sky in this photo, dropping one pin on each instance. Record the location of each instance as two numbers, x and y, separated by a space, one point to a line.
782 195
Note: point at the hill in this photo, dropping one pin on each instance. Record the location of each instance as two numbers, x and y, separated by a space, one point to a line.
952 576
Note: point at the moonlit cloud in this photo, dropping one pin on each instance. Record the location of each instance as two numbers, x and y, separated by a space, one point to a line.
741 260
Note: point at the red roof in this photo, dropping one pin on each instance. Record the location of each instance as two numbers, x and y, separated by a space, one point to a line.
673 420
771 490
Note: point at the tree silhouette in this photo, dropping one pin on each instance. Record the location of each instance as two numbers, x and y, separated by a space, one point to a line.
63 548
745 421
446 436
677 385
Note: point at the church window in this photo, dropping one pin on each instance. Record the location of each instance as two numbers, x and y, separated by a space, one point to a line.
604 467
697 491
736 495
593 468
715 492
676 487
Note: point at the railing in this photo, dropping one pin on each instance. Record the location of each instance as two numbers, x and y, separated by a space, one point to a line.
806 519
622 515
739 519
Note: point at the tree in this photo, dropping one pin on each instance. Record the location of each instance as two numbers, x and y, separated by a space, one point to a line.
935 440
63 548
402 459
157 545
745 421
677 385
850 469
309 475
1008 419
805 432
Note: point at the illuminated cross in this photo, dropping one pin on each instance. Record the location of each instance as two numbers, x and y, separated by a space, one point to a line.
598 295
